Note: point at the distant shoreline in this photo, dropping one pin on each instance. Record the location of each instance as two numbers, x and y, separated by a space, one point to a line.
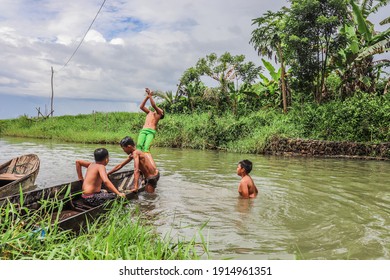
272 134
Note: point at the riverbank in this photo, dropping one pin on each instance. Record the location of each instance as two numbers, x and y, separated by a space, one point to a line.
306 131
332 149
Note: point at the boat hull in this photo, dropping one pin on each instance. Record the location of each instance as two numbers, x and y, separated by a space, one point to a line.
75 213
19 174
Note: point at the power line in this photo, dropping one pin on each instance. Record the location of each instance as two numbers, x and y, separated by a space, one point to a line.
83 37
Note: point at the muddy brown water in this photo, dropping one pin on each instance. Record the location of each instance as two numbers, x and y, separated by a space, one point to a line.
307 208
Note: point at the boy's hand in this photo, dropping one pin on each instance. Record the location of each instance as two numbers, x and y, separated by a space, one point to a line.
122 195
135 190
149 92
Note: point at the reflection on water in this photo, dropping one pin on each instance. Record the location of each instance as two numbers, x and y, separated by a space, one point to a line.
306 208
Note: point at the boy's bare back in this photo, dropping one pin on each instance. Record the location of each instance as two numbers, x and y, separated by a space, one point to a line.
94 177
96 174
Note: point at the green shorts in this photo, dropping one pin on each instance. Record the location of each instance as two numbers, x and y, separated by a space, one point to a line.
145 139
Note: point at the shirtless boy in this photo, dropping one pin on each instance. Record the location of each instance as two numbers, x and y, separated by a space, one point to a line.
143 164
246 188
95 176
148 131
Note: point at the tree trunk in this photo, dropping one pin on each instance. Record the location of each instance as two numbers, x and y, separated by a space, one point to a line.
283 79
323 74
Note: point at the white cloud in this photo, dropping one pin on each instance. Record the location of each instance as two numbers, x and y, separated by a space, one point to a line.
132 44
94 36
7 81
8 36
64 40
117 41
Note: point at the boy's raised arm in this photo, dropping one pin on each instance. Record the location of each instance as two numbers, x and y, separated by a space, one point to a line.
79 164
142 106
158 110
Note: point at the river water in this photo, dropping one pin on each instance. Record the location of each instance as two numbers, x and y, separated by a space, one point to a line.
307 208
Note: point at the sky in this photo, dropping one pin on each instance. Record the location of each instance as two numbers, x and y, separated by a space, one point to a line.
132 44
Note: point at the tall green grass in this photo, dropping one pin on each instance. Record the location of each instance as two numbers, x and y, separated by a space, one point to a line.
93 128
117 234
198 131
362 118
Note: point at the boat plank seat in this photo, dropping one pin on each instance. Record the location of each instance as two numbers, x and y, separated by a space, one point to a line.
126 184
11 166
11 177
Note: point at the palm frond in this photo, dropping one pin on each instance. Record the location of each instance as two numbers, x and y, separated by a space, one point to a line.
380 4
377 48
381 63
382 36
385 21
366 7
167 96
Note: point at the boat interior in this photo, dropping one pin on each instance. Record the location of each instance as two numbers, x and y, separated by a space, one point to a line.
16 169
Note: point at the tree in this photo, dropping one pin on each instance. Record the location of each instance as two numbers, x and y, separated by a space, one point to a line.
190 86
231 73
267 39
311 39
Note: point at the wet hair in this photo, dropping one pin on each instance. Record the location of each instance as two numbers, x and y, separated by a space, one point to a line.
100 154
127 141
247 165
162 115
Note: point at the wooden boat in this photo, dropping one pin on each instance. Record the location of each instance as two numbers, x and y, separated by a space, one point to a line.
17 173
75 212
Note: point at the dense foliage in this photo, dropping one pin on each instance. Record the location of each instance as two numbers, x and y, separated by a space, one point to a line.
327 51
361 118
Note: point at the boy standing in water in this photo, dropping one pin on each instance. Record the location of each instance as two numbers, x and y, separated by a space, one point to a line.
246 188
148 131
95 176
143 165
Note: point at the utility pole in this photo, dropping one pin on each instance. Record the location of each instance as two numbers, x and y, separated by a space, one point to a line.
52 91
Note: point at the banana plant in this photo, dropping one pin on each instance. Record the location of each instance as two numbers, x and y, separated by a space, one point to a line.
355 63
269 87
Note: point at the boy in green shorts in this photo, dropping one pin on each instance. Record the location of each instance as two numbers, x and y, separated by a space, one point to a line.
148 132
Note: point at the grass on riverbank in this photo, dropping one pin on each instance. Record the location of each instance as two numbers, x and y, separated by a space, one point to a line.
117 234
362 118
247 134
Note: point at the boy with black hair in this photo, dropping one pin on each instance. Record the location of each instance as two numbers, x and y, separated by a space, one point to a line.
95 176
246 188
144 165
